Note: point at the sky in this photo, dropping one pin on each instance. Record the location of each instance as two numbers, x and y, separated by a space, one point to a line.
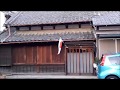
2 21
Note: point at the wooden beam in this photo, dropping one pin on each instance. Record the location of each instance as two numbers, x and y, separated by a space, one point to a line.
108 32
65 60
81 42
44 41
99 48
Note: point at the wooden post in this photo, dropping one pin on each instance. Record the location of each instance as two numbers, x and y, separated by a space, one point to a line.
65 60
116 45
51 54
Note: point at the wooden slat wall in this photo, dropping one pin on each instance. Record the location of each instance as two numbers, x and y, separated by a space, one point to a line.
58 58
29 54
48 59
14 55
37 55
19 55
5 55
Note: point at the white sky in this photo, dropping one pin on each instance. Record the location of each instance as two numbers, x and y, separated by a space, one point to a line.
2 21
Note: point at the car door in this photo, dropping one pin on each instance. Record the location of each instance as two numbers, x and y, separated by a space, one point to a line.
119 65
115 63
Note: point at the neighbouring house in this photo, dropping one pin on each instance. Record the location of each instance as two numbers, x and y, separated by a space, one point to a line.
30 44
107 29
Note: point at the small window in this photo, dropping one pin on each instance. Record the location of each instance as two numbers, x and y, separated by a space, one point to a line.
24 28
35 28
60 27
115 60
86 26
47 27
73 26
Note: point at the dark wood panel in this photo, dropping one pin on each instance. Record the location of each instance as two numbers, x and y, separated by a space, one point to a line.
48 54
39 55
5 55
44 68
58 58
54 54
19 55
22 55
29 54
14 55
35 54
62 55
44 54
51 54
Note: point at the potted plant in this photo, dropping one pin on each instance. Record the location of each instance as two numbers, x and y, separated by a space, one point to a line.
97 60
95 64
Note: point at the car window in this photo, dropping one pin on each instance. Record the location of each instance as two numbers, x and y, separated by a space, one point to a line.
115 60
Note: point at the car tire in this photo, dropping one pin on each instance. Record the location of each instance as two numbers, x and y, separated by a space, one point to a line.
112 77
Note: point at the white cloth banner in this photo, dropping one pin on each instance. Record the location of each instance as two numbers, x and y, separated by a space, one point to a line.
60 45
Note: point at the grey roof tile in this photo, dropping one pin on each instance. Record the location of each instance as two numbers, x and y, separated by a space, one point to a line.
3 35
110 18
51 17
49 37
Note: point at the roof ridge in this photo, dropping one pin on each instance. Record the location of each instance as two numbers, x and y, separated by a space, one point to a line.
13 19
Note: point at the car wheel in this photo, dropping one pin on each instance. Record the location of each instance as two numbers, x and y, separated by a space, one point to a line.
112 77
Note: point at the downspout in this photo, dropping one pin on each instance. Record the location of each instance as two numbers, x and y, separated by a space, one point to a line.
97 45
9 33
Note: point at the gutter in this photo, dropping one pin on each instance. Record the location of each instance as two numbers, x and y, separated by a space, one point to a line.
9 33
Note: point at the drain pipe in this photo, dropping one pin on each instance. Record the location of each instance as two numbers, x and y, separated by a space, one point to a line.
9 33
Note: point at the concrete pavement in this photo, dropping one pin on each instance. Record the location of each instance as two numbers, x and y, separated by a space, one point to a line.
49 77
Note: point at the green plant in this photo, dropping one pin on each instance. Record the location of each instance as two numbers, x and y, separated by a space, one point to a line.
97 60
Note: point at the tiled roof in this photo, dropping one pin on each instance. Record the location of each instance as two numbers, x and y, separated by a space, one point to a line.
10 12
51 17
3 35
112 18
26 36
